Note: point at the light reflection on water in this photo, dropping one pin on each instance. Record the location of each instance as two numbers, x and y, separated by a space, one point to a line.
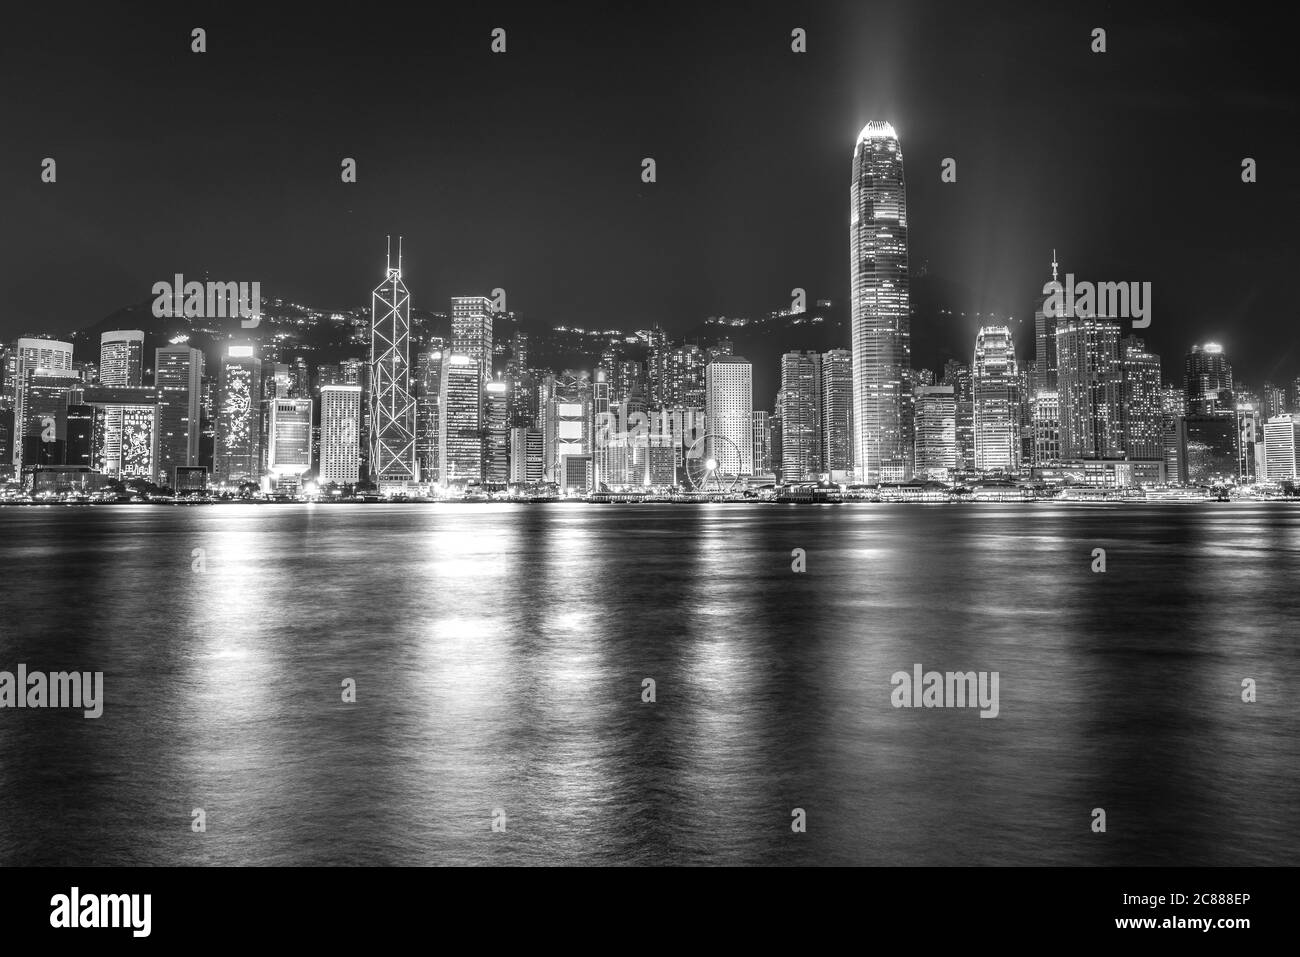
499 652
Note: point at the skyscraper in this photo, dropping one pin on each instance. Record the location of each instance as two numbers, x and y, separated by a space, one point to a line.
1088 383
178 377
936 432
496 434
1045 361
881 324
995 386
1208 380
238 440
121 357
29 354
837 414
958 375
428 377
460 423
1141 416
729 412
801 418
471 330
340 434
1280 442
392 404
288 440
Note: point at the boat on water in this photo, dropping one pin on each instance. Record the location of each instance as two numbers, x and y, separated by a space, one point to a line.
1173 493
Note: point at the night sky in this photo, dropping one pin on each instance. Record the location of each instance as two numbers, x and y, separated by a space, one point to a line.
522 170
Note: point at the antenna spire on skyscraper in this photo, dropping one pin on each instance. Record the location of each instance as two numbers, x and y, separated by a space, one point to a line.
1054 264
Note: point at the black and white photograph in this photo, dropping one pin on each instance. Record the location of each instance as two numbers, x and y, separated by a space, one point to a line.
750 436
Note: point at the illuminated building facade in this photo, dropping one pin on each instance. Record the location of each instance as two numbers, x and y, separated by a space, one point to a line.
880 307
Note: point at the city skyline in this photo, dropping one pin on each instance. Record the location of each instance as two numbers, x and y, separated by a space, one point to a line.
1015 197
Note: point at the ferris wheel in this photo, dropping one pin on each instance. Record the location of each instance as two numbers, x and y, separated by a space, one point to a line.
713 464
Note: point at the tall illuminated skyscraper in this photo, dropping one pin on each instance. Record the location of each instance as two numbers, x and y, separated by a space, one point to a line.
936 432
29 354
460 423
881 324
837 414
729 412
1088 386
340 434
178 377
995 387
1208 380
471 330
801 418
1141 414
288 439
121 357
392 403
238 443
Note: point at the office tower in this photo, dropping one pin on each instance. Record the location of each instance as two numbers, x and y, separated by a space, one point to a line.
1045 360
121 358
1250 433
28 354
299 379
392 405
1208 380
428 399
48 393
1025 389
629 379
1046 426
1211 444
525 455
178 378
567 405
288 440
958 375
723 347
762 461
837 414
774 457
237 451
355 372
881 330
127 430
519 350
995 391
1141 412
496 434
471 330
1173 400
1088 381
729 408
683 382
656 364
1173 444
340 434
1280 442
936 432
1274 403
80 449
275 380
460 428
801 416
